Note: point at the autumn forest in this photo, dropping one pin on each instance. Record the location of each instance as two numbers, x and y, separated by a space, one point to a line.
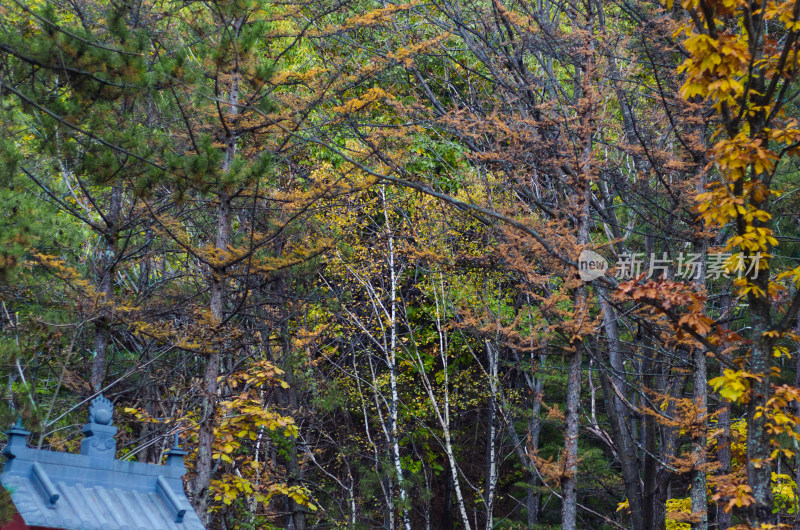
445 264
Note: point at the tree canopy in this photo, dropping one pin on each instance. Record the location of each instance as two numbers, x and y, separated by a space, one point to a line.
456 264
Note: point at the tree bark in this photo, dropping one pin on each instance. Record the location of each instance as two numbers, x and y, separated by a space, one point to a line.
619 417
106 267
491 449
724 519
211 375
758 449
569 481
205 444
391 359
582 185
699 496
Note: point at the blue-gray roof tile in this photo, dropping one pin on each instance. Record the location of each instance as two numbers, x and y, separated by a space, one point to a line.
92 490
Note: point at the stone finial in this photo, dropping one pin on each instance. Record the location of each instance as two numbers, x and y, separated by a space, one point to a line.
101 411
175 454
17 439
99 441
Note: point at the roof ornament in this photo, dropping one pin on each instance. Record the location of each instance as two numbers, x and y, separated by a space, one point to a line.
101 411
175 454
99 441
17 439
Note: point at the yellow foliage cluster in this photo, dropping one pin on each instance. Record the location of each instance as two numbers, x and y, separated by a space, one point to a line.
231 487
733 385
356 104
720 69
243 420
379 16
406 55
780 418
240 421
678 513
715 67
69 275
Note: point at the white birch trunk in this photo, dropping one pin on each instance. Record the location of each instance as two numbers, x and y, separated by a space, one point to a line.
491 478
391 359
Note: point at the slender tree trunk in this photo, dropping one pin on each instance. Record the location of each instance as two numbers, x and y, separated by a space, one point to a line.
649 481
533 499
569 482
386 315
211 376
203 468
724 458
386 483
443 412
394 404
451 460
106 267
491 449
535 386
699 495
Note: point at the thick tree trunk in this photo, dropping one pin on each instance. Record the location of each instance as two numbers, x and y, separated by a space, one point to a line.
724 519
569 482
295 512
211 376
649 481
759 469
583 189
758 449
619 417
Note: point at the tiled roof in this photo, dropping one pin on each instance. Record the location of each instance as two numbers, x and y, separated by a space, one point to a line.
92 490
95 508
